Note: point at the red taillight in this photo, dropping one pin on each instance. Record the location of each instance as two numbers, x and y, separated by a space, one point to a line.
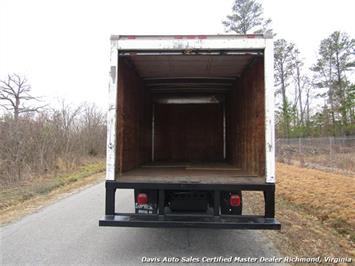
142 198
234 200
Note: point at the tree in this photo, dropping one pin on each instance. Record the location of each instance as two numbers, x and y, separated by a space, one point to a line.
308 88
302 95
15 95
350 105
336 58
283 66
299 80
67 117
93 130
247 16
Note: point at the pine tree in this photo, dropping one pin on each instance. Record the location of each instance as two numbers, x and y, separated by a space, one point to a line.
336 59
247 15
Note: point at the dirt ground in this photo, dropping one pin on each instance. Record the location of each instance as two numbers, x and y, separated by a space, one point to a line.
316 210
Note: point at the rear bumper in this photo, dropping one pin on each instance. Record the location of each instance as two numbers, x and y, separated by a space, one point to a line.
214 220
182 221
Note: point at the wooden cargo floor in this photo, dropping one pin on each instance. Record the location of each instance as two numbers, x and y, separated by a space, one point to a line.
216 173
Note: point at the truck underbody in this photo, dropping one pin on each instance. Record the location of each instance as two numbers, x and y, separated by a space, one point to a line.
189 132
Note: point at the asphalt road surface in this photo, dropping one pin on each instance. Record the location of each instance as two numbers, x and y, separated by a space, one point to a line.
67 233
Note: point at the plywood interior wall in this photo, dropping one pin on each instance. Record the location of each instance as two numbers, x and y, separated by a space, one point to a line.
246 120
134 112
189 132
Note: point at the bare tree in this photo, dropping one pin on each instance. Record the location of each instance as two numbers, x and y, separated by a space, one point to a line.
68 117
93 130
302 86
15 95
54 141
307 89
283 65
15 98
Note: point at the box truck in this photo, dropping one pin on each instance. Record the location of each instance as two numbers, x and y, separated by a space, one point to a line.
190 128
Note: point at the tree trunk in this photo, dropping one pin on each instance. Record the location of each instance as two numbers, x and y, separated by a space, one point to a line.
300 95
284 107
331 94
17 108
341 92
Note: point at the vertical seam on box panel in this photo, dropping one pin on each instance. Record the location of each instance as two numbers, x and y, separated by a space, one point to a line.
153 132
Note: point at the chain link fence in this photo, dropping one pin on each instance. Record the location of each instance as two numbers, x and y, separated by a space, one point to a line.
332 153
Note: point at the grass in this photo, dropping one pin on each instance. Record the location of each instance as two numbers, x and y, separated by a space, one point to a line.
14 198
339 162
328 196
316 210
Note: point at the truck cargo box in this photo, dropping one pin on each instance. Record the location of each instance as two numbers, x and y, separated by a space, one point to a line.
191 113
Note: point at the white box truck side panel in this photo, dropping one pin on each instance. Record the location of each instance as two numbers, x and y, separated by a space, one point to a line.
222 42
111 116
269 111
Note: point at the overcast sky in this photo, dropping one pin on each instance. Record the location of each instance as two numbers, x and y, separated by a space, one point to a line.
63 46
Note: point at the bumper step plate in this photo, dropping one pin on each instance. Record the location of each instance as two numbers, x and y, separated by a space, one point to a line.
186 221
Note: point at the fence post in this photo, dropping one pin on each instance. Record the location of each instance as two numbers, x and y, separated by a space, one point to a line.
300 152
330 148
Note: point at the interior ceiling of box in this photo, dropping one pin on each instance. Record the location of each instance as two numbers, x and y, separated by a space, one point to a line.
188 66
208 73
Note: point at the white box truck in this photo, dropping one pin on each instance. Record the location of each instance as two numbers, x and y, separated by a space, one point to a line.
190 128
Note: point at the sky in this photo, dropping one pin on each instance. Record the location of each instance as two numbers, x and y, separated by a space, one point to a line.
62 47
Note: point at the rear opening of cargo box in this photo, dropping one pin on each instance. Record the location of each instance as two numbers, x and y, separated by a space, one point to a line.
195 118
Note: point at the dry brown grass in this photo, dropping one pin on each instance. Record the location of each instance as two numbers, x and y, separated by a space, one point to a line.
23 198
339 161
329 196
316 210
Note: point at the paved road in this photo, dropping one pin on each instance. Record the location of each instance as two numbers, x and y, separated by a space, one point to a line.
67 233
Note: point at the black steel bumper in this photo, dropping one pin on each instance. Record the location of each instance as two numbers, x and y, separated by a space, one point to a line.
221 222
217 220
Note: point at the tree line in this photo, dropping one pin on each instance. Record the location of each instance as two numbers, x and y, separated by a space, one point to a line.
39 140
319 101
